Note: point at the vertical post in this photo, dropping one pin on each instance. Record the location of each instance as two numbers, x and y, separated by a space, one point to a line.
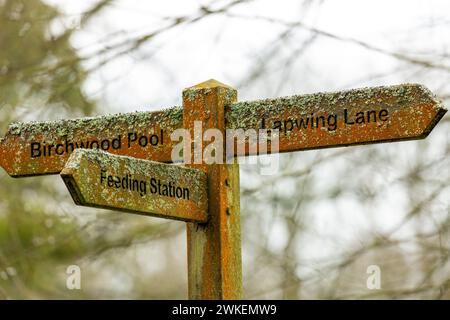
214 248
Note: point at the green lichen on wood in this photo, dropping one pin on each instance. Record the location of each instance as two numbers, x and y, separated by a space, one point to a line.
88 165
171 118
190 94
175 114
248 113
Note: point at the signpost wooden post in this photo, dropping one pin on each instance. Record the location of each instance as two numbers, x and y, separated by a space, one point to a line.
206 195
214 249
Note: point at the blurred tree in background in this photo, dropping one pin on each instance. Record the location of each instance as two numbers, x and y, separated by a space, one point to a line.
39 76
310 231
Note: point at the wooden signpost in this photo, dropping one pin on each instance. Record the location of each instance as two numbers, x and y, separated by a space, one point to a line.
206 195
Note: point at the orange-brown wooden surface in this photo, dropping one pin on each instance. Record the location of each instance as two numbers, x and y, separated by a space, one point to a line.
359 116
102 180
311 121
144 135
214 248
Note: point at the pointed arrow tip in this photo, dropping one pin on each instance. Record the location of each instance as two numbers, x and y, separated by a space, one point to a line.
440 112
426 95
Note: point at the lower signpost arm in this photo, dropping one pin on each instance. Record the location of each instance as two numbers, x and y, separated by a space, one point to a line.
214 248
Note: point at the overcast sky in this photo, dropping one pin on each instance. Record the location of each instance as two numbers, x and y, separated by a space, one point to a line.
226 48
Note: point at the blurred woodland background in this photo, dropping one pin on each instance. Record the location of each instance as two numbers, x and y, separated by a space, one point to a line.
310 231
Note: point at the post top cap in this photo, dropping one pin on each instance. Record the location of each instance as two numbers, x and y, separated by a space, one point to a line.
209 84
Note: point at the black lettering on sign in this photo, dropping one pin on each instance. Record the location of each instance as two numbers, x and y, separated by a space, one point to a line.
43 149
329 122
155 186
